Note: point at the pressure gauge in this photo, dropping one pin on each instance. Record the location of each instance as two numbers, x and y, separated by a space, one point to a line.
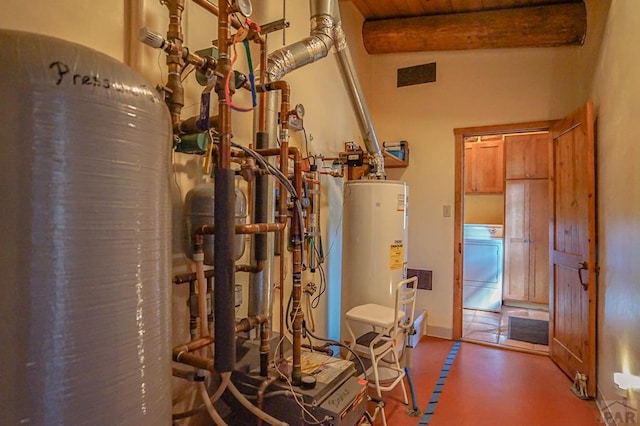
244 7
299 111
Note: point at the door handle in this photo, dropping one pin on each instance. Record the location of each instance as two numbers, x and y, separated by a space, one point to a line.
584 266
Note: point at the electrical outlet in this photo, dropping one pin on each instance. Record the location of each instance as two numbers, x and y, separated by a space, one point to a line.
446 211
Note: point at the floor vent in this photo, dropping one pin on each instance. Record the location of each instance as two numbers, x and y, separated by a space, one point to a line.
424 277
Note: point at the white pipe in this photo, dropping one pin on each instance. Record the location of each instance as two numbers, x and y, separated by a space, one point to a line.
198 258
225 380
210 408
255 410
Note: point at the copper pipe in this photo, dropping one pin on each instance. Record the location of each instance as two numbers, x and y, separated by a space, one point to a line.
212 8
209 273
194 345
190 125
258 228
261 390
194 360
249 323
258 267
245 228
224 65
175 62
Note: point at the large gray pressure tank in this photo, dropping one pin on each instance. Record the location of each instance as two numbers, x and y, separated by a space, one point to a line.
84 239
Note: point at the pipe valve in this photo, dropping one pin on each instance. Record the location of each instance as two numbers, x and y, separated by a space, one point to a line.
151 38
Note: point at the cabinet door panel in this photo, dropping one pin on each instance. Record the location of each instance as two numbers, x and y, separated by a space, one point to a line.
489 161
516 246
539 241
527 156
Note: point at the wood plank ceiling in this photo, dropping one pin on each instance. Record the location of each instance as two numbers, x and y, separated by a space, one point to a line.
426 25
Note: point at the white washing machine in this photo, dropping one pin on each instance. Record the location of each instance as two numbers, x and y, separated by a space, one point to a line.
483 266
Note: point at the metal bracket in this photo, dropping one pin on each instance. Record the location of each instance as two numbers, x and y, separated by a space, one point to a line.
278 25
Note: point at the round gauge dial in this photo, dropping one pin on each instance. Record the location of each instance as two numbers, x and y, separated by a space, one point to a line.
244 7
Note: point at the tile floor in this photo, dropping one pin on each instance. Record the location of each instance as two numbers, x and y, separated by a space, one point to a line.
492 327
489 386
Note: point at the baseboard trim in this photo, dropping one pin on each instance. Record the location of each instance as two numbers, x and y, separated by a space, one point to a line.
442 332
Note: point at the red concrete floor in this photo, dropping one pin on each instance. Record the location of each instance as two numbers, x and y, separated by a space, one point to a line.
490 386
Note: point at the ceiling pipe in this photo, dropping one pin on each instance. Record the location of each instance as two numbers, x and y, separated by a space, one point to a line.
326 31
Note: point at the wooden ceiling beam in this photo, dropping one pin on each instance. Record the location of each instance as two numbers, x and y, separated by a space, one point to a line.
539 26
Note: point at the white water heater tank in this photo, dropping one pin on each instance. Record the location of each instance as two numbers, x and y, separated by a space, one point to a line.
85 242
374 242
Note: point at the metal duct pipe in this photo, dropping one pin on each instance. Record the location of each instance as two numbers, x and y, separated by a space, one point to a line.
326 31
351 82
307 50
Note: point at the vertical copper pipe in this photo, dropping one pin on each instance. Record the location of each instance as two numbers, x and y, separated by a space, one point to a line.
285 92
174 59
261 390
224 110
284 166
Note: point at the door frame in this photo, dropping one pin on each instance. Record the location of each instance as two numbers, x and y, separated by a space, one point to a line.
460 134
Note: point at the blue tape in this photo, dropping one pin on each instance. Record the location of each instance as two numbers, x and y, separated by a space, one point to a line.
437 390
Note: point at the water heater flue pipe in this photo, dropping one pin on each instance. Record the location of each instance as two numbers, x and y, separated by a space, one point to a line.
351 82
326 31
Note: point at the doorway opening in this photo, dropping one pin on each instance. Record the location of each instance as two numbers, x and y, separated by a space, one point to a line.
501 236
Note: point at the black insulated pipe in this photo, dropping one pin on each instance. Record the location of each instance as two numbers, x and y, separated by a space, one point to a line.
224 309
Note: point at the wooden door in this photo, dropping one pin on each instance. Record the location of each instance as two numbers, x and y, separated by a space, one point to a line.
573 247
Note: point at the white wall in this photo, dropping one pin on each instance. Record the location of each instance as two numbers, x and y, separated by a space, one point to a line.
473 88
616 94
484 208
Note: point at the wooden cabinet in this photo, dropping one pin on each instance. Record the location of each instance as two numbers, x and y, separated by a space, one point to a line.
526 241
484 167
527 156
